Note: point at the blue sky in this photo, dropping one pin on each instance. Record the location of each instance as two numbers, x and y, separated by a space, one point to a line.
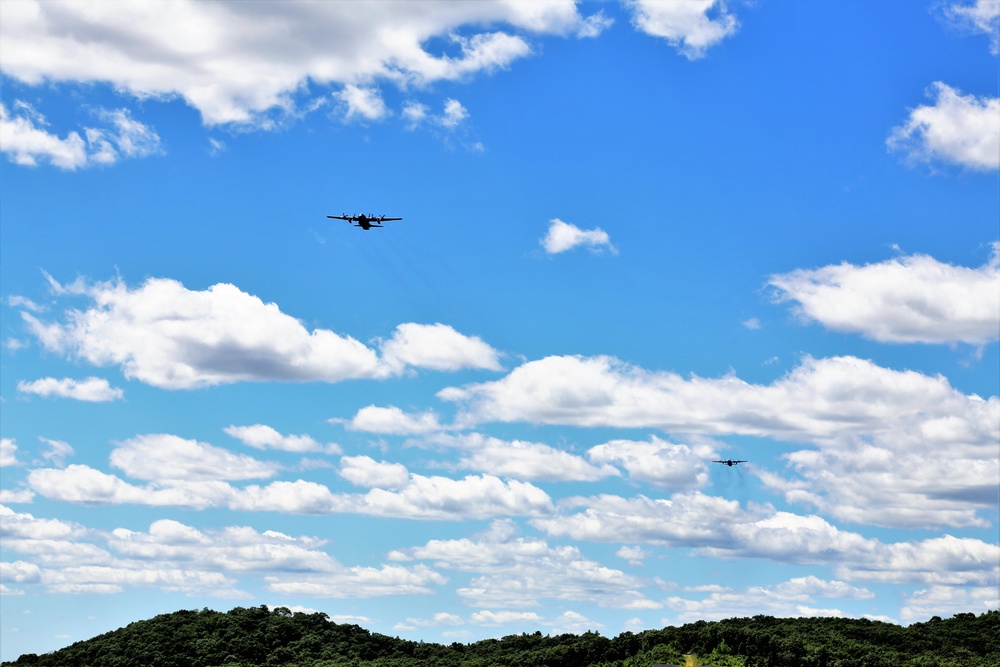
637 237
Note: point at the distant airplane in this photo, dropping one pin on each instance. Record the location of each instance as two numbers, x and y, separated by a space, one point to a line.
729 462
364 221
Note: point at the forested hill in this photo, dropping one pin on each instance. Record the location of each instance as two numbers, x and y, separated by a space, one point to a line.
258 636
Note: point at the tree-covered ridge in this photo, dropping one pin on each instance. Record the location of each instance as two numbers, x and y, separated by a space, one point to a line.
257 636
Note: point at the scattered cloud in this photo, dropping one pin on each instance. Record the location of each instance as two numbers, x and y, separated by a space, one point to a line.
168 336
92 389
261 436
26 141
392 420
364 103
913 299
179 478
690 26
863 422
57 451
661 463
8 453
367 472
787 599
521 460
436 347
163 457
563 236
945 601
242 62
518 572
981 16
958 129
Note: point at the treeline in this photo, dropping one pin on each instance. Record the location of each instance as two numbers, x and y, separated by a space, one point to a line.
259 637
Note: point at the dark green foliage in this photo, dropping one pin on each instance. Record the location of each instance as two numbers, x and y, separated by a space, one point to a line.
259 637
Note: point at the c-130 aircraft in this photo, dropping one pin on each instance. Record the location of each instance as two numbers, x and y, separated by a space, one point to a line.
364 221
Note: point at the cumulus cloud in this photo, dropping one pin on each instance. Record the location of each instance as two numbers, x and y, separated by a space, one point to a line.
24 137
8 453
563 236
982 16
523 460
164 457
92 389
57 451
173 556
437 347
518 572
913 299
720 528
421 497
392 421
690 26
166 335
960 129
787 599
944 601
26 143
261 436
241 61
360 582
658 462
923 452
362 103
365 471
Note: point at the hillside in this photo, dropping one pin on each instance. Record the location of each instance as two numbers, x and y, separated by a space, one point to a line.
257 636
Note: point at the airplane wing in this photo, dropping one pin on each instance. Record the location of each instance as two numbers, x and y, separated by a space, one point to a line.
387 219
341 217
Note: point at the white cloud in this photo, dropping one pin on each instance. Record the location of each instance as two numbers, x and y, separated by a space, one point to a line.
490 618
454 113
517 572
686 519
982 16
634 555
521 460
720 528
923 453
913 299
563 236
57 452
166 335
365 471
124 137
942 560
362 102
92 389
8 453
163 457
685 24
438 498
658 462
437 347
360 582
261 436
787 599
24 139
944 601
961 129
27 144
392 420
240 61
